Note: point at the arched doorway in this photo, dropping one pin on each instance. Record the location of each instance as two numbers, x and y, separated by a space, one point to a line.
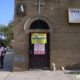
39 52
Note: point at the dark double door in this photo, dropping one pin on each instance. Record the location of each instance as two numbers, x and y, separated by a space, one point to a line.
39 61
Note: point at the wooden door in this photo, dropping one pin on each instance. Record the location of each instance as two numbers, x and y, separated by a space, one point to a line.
39 61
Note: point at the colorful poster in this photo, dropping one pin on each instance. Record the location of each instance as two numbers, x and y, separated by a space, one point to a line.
38 38
39 49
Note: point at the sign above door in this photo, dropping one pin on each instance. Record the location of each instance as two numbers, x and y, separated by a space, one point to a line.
39 38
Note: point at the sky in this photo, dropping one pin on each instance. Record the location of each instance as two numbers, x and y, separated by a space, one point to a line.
6 11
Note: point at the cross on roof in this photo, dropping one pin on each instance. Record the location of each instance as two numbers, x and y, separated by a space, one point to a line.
39 4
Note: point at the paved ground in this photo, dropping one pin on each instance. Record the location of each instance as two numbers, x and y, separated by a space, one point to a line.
7 74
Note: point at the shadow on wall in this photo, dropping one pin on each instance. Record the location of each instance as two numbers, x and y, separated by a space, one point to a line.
73 67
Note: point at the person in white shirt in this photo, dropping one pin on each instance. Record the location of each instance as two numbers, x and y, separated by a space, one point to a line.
2 49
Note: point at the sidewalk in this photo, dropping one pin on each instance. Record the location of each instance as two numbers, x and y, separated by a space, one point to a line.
38 75
7 74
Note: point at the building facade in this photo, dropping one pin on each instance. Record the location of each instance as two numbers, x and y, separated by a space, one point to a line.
48 18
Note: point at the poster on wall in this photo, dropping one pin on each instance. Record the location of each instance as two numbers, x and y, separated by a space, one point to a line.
74 15
39 38
39 49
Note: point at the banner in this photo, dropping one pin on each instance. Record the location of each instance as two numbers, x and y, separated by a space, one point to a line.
38 38
39 49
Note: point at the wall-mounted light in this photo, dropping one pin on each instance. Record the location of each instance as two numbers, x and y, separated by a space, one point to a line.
21 9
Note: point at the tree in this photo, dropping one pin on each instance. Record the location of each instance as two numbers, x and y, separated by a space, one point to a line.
1 32
7 32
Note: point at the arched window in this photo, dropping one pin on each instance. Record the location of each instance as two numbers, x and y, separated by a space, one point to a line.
39 24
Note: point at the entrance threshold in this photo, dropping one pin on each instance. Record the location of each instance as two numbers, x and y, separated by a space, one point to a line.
39 69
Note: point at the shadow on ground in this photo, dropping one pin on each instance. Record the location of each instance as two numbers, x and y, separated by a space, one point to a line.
73 72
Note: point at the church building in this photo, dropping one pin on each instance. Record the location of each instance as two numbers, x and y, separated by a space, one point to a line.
46 34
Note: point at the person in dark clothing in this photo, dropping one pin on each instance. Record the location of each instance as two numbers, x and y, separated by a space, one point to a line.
2 49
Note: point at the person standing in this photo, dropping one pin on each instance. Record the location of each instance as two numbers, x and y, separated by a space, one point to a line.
2 49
